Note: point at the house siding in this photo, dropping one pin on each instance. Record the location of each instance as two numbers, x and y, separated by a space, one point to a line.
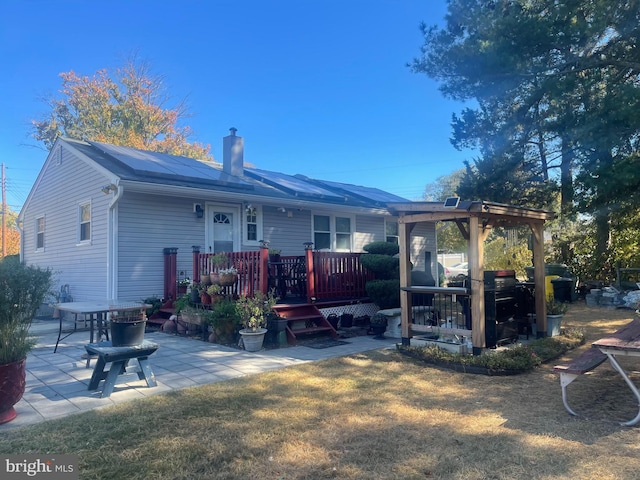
368 229
65 182
423 239
147 224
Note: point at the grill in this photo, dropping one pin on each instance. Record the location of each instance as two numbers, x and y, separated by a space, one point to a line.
500 307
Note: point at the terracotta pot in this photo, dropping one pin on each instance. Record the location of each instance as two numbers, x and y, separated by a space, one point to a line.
12 385
205 299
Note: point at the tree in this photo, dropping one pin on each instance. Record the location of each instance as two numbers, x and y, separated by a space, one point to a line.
126 111
557 94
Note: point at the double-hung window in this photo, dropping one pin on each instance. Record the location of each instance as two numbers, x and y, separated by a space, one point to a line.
39 233
84 222
252 225
391 231
333 232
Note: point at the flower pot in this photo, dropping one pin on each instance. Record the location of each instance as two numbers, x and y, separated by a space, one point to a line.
12 384
127 334
554 322
215 278
228 279
346 320
378 330
253 340
205 299
205 279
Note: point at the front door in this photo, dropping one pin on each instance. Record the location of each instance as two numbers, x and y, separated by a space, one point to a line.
223 228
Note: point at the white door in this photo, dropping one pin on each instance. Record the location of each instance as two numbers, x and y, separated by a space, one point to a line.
223 228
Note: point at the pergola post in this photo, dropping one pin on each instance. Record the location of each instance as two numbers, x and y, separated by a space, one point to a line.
404 239
476 278
538 277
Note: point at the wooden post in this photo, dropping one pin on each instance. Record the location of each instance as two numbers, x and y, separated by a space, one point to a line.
539 278
195 263
263 279
170 273
311 281
404 239
476 278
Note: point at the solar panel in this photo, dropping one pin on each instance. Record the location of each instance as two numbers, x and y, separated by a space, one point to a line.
292 184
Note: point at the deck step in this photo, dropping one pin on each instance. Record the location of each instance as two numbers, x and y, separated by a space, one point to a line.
304 319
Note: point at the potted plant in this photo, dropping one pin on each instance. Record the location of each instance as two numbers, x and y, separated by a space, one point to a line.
183 285
223 322
252 314
213 291
555 312
22 291
378 325
274 255
127 329
228 276
216 262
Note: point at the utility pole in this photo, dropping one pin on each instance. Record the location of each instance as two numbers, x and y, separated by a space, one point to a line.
4 215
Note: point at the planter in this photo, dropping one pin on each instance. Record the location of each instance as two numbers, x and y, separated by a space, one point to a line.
205 279
274 257
205 299
346 320
333 320
214 278
12 384
228 279
127 334
378 330
253 340
554 322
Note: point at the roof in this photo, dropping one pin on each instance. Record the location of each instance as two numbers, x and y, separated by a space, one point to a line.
141 166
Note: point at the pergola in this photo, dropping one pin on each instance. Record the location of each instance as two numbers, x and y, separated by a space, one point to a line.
474 220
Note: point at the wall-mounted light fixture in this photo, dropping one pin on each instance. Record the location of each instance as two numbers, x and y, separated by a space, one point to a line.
198 210
282 209
107 189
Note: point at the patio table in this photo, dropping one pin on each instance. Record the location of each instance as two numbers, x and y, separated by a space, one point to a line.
95 312
625 342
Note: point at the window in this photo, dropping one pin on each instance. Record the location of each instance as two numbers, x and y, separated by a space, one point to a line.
252 225
40 233
332 233
84 214
391 231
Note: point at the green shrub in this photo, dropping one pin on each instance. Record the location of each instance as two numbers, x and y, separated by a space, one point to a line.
382 248
384 266
384 293
22 290
517 359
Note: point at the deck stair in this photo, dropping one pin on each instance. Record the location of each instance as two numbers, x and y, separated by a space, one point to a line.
304 320
162 315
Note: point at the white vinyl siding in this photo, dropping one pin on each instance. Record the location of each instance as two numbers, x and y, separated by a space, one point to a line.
62 185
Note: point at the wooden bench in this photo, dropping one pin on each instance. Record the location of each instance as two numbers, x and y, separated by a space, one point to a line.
590 359
119 358
582 364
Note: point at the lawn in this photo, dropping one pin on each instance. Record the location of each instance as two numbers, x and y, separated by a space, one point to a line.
379 415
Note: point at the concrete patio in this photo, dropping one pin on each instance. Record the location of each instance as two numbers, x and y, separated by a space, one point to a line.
57 382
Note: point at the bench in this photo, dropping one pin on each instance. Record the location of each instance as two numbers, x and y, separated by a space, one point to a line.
119 358
590 359
582 364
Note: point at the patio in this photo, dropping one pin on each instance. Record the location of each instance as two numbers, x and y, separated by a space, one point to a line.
57 382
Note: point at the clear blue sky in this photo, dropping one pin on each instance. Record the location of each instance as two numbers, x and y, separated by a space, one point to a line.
317 87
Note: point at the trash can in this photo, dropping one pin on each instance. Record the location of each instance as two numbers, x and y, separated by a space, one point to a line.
548 286
562 288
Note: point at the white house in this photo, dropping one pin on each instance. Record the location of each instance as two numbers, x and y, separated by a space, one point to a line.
100 215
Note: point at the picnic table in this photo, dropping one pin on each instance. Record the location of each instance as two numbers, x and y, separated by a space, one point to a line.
624 342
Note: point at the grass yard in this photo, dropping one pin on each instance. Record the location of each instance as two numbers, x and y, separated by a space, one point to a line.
380 415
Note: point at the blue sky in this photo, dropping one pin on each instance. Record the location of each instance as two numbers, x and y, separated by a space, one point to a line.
317 87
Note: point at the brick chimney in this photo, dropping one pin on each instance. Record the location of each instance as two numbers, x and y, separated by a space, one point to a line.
233 153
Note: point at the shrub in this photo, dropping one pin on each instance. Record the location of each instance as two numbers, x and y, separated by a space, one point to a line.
384 266
22 290
517 359
384 293
382 248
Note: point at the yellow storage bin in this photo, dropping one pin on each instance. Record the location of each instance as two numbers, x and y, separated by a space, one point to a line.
548 286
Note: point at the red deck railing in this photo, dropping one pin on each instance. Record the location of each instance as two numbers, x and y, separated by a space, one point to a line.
317 276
